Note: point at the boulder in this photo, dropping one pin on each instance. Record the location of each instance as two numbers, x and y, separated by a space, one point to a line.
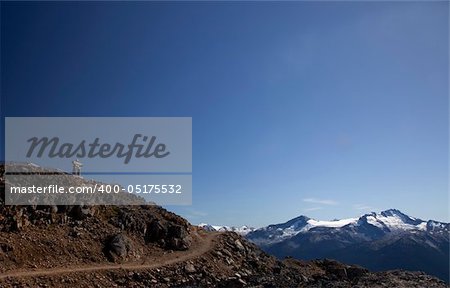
189 268
168 235
82 212
156 231
118 247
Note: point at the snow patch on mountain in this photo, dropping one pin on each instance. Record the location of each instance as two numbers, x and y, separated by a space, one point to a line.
332 224
243 230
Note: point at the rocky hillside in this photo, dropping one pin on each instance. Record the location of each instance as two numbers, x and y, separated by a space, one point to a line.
148 246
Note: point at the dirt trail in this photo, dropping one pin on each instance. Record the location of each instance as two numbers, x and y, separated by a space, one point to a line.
201 244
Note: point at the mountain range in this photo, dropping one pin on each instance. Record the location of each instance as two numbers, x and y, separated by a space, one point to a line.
379 241
145 245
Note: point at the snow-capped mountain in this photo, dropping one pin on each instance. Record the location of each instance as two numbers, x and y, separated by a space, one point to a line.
243 230
379 241
389 221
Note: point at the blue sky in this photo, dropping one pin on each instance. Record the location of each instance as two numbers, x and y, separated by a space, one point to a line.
329 109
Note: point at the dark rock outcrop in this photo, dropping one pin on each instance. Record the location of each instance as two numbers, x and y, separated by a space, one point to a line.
118 247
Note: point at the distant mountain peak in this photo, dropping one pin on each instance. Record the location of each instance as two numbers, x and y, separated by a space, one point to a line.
375 240
393 212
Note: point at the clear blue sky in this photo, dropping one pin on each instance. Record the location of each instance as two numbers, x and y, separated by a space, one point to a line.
329 109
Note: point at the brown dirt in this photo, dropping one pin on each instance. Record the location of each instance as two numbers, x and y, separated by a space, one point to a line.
202 243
